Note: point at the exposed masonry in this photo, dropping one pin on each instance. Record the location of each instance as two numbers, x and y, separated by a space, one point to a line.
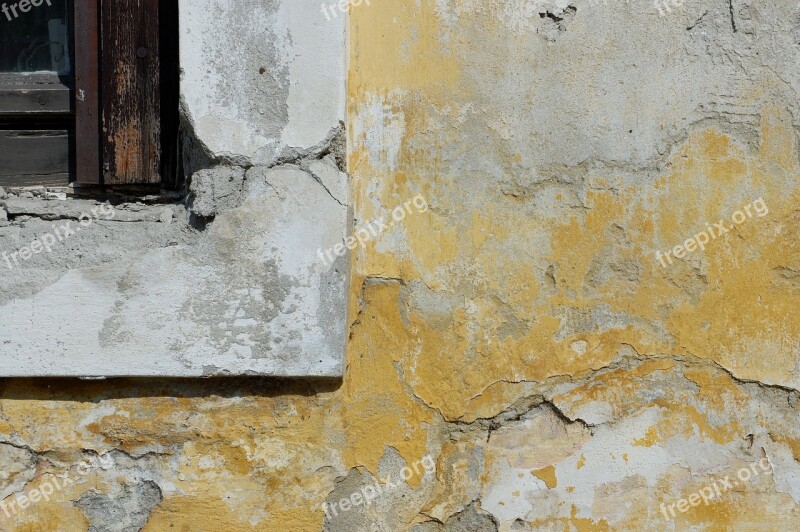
223 279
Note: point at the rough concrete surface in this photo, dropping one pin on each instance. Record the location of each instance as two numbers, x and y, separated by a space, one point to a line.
520 332
246 295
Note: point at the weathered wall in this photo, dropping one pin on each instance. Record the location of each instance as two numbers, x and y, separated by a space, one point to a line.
521 331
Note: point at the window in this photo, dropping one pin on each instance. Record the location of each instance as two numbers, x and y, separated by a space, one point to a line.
36 119
88 92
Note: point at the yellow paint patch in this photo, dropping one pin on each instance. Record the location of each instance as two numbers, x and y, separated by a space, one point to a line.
379 412
547 475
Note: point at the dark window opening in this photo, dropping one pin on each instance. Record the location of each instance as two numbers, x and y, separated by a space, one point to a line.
89 93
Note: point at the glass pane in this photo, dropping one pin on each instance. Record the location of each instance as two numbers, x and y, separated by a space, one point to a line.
34 36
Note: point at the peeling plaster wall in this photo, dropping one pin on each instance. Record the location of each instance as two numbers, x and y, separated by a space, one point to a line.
520 332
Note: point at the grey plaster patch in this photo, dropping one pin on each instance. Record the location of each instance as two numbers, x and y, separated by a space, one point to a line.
127 511
351 519
472 519
384 505
215 190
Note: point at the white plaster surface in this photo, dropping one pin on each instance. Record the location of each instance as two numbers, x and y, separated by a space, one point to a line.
261 79
246 296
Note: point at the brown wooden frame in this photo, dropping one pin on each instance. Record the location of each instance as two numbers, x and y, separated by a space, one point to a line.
87 92
131 88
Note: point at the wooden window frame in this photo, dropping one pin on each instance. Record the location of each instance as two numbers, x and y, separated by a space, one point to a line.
87 91
107 126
